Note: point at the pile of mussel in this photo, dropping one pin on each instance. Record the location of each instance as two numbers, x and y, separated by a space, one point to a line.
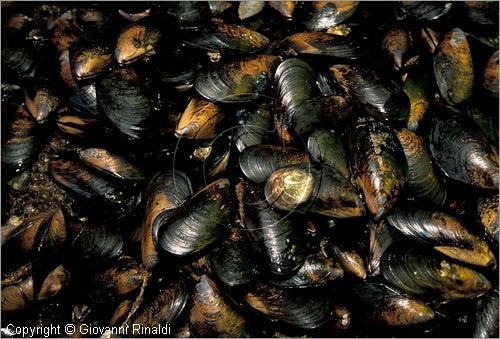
250 169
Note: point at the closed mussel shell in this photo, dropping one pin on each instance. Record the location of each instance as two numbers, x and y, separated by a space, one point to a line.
379 95
487 316
23 140
317 270
198 222
18 56
306 117
487 210
285 8
260 161
309 189
326 148
453 67
165 192
417 87
324 14
41 99
396 43
136 41
380 163
79 181
421 11
490 75
201 119
93 242
164 305
234 260
124 102
349 260
79 126
380 239
444 232
294 81
185 14
227 39
254 126
212 316
461 151
273 234
116 278
111 164
295 307
418 271
248 9
320 43
384 305
237 81
90 56
423 182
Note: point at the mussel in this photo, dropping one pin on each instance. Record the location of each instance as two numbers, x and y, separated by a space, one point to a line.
202 119
444 232
419 272
237 81
487 211
136 41
380 165
111 164
198 222
322 15
320 43
461 150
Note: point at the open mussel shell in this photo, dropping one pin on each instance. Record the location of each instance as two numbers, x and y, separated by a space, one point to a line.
124 102
258 162
165 192
22 143
326 148
317 270
418 271
444 232
461 151
201 119
234 260
272 233
198 222
309 189
490 75
93 242
41 99
453 67
487 210
421 11
212 316
294 81
306 117
379 95
137 40
90 56
77 179
423 182
111 164
321 15
227 39
164 304
380 239
380 163
254 126
321 43
237 81
384 305
295 307
487 316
